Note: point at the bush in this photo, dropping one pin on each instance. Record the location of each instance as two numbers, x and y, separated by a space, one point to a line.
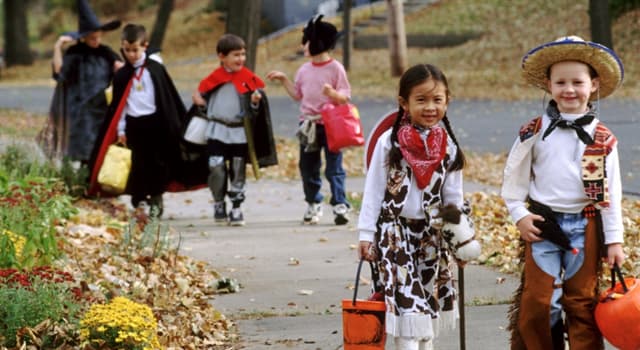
121 324
32 208
43 296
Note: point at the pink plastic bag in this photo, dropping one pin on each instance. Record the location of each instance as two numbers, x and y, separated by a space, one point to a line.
342 125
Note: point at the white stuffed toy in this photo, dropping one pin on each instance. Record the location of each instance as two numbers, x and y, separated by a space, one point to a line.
458 230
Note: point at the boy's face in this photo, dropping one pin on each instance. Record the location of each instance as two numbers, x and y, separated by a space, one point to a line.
234 60
133 51
571 86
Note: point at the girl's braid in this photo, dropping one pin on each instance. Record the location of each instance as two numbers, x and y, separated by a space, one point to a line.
395 156
460 160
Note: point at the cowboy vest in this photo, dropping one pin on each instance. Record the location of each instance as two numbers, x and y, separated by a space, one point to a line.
594 175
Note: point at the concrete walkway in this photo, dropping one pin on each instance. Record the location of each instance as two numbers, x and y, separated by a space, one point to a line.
294 277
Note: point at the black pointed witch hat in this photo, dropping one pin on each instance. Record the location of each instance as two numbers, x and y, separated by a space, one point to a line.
88 21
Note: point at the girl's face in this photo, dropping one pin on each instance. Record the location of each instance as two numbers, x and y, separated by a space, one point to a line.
234 60
133 51
426 104
93 39
571 86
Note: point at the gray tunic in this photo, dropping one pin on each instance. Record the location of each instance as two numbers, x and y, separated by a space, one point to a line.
225 114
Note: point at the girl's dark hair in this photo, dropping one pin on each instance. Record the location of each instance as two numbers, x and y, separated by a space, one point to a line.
134 32
228 43
413 77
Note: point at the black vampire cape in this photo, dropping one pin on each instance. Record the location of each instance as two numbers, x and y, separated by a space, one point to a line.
185 174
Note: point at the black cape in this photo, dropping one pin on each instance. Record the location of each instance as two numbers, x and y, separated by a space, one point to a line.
79 103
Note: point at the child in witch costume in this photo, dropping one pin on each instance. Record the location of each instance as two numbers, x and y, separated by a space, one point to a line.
229 95
82 74
147 115
319 81
562 178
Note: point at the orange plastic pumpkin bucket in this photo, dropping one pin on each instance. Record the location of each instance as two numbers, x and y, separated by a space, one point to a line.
618 312
363 320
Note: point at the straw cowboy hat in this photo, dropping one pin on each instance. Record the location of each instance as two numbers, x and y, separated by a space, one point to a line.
88 22
604 61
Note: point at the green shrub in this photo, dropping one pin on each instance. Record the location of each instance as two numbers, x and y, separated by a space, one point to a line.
32 208
30 298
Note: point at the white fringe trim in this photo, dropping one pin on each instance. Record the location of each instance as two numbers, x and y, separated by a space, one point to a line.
420 326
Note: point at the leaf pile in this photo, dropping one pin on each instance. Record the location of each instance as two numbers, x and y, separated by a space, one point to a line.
177 288
500 238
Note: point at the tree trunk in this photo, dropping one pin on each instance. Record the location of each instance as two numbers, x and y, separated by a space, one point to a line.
347 44
16 34
243 19
397 37
600 22
160 26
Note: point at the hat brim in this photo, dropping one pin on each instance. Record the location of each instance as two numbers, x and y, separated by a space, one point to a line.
602 59
112 25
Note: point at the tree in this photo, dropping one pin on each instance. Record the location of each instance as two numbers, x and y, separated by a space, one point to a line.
243 20
600 21
16 34
160 26
397 37
347 45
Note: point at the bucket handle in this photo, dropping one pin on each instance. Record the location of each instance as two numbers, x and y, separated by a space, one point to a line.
374 279
615 270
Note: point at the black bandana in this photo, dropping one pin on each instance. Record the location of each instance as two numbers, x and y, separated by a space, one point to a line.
557 121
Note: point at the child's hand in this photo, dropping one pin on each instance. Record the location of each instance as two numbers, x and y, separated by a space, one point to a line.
276 75
615 254
364 251
528 231
256 97
64 40
328 90
122 139
197 99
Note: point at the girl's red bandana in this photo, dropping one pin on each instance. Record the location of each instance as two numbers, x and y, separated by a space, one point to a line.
423 157
244 80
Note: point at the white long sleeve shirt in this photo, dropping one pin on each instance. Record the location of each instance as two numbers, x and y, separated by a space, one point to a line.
552 175
376 184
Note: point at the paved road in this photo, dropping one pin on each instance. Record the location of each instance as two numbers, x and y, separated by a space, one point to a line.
481 126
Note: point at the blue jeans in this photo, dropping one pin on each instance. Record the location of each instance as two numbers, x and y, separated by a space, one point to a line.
557 262
310 164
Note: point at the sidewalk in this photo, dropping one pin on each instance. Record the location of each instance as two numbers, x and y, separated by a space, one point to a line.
294 277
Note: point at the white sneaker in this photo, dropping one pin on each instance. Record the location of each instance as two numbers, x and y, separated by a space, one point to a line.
340 211
313 213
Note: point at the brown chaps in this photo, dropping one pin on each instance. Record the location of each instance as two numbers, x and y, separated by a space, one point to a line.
578 302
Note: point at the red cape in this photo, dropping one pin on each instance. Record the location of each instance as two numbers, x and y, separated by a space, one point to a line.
244 80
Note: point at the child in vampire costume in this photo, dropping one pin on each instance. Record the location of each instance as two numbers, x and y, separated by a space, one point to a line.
148 114
239 127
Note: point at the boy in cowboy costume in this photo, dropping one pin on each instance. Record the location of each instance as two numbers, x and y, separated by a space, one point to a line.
563 190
